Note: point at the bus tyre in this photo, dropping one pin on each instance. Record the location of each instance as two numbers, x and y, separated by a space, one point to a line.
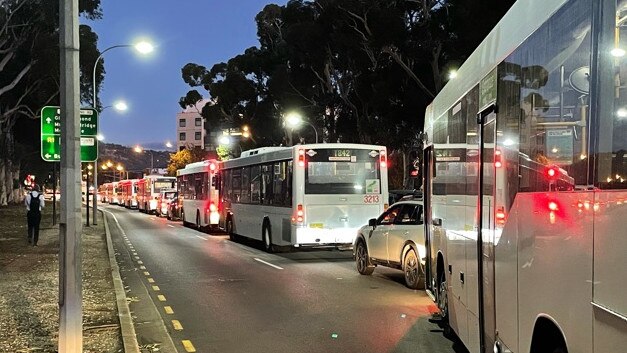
443 297
267 238
198 224
363 260
412 270
229 228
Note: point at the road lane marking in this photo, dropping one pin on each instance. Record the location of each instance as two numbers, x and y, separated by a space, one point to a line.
171 226
189 347
150 280
156 288
146 273
269 264
142 267
177 325
136 257
198 236
168 310
140 262
161 298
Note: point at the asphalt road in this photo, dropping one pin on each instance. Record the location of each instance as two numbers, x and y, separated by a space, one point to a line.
228 296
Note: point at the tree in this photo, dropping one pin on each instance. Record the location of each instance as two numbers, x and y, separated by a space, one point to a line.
29 62
184 157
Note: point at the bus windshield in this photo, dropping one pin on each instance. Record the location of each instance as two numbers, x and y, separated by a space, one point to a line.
342 171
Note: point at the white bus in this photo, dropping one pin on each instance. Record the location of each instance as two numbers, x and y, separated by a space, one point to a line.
314 195
149 189
526 183
197 186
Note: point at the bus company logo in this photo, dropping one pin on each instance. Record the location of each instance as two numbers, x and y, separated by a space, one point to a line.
373 153
311 153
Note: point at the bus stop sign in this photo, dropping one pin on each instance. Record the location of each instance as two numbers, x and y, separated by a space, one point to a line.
51 134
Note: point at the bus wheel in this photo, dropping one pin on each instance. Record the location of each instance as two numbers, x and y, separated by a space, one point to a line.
267 238
229 228
185 224
443 297
198 224
362 259
411 268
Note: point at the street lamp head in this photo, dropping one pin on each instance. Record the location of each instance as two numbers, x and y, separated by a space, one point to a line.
168 144
109 164
104 167
90 167
119 168
293 119
144 47
120 106
452 74
138 149
100 137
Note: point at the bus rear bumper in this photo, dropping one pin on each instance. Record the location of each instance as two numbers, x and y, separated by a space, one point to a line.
320 237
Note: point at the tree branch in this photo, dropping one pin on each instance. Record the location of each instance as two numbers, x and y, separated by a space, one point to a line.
394 54
16 80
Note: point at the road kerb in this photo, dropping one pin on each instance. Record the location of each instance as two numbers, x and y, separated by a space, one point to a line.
129 338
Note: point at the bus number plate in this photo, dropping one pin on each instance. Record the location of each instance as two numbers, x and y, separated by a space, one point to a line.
371 199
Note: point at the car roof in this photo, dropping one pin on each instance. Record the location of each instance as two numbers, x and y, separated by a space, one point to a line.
408 202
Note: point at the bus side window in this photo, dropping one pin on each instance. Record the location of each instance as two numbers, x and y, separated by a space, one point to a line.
255 184
266 184
237 182
245 193
288 189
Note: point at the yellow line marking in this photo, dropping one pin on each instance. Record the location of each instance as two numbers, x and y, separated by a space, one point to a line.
140 262
142 267
136 257
168 310
156 288
150 280
161 298
146 273
189 347
177 325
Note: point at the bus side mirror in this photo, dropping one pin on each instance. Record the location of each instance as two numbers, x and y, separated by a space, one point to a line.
372 222
437 222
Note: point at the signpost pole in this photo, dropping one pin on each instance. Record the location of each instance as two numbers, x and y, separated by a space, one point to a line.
70 227
54 193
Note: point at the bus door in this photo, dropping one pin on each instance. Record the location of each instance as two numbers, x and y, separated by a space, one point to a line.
431 265
486 228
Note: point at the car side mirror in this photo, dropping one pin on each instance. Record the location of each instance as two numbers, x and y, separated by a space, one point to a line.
372 222
437 222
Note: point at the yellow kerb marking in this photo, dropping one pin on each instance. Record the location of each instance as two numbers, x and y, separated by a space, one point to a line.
150 280
140 262
168 310
189 347
136 257
161 298
146 273
142 267
156 288
177 325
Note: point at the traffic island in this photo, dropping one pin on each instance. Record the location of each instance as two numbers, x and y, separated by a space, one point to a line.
29 288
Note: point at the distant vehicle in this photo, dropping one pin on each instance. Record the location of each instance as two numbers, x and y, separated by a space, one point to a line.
395 239
149 189
113 193
165 197
128 193
48 195
198 190
174 208
315 195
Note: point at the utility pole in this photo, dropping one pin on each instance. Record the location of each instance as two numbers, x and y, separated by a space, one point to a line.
70 226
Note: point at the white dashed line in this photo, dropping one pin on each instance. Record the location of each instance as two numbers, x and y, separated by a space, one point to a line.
198 236
269 264
171 226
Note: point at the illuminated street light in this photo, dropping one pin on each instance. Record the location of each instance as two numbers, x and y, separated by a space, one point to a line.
617 52
89 166
452 74
119 168
144 47
294 119
109 164
138 149
224 140
621 113
100 137
120 106
168 144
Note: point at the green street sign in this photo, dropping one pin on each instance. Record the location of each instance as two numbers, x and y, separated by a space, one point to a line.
51 134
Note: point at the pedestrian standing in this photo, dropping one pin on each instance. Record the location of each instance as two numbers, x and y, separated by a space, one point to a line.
34 203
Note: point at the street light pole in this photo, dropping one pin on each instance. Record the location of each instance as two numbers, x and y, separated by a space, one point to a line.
312 125
94 103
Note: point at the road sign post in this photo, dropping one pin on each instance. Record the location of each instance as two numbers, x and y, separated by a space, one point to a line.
51 134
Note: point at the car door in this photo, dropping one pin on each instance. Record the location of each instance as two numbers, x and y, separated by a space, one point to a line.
377 239
407 226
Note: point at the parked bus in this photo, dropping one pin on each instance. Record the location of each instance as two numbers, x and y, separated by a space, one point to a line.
315 195
102 192
148 191
525 183
198 190
113 197
128 190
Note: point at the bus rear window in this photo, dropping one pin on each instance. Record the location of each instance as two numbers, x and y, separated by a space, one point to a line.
345 171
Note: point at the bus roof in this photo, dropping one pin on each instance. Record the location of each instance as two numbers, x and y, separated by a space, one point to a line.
522 19
197 167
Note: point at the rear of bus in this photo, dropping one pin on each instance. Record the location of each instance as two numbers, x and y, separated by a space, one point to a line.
337 189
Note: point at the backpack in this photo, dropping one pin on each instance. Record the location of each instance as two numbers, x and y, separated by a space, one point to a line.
34 203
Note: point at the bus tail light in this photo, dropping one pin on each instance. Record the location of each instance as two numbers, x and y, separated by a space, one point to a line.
500 216
301 158
497 159
212 167
213 207
553 206
300 213
383 161
552 172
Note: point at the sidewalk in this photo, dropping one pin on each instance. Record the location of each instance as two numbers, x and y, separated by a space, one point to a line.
29 287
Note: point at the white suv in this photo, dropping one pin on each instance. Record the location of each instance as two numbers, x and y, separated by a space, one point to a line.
395 239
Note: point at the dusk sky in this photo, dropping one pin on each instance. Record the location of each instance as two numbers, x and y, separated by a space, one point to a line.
199 31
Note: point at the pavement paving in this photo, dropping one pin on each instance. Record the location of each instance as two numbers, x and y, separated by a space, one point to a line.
216 295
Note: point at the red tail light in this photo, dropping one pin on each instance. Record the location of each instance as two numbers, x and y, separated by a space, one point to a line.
383 159
497 159
299 213
500 216
213 207
212 167
301 158
553 206
552 172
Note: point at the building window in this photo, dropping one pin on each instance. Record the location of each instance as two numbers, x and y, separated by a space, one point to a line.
182 136
181 148
197 135
198 122
182 123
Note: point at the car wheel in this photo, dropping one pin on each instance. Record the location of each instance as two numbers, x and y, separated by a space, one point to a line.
363 260
267 238
229 229
412 270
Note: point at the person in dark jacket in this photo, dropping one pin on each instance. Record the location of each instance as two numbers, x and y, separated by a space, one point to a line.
34 203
